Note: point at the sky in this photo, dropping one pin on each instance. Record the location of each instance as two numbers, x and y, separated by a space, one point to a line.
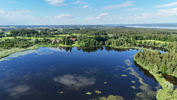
87 12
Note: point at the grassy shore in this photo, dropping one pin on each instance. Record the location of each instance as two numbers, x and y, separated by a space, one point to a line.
6 52
168 92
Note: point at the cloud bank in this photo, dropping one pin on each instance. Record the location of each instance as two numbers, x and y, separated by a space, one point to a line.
65 16
165 13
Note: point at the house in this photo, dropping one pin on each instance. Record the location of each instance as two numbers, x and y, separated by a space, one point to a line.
53 41
57 40
73 39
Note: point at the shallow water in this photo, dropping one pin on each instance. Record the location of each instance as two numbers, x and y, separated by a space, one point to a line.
74 74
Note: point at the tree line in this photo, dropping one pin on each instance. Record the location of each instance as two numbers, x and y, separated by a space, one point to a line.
159 62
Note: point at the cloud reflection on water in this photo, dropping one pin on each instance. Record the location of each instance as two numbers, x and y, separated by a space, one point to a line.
18 90
128 62
75 82
57 49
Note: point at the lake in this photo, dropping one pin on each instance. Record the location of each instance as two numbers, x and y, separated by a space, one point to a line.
157 27
75 74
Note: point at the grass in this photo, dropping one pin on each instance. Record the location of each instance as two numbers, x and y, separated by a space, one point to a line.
7 32
6 52
75 45
3 38
63 35
76 34
174 35
110 35
157 41
33 38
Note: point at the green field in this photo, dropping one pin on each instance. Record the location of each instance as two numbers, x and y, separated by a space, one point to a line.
110 35
6 38
163 42
7 32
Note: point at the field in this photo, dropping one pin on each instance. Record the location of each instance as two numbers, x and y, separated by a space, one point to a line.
155 41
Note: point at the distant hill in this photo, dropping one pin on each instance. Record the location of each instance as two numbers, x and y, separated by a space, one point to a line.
13 27
147 25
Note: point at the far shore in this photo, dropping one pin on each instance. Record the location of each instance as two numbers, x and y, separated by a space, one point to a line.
7 52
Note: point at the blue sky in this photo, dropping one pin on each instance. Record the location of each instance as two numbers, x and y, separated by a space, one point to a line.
92 12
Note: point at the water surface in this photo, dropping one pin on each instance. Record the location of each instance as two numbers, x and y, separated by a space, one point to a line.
156 27
74 74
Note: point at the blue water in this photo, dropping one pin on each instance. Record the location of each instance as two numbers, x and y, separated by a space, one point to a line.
69 73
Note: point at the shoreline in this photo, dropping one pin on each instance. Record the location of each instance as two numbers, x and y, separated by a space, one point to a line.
7 52
168 92
133 47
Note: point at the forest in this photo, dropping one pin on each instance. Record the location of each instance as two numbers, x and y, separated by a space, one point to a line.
88 37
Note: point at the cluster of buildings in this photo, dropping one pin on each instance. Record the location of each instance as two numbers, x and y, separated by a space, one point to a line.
57 40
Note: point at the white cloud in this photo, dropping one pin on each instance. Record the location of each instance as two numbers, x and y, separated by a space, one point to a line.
120 17
132 9
75 82
165 13
167 5
65 16
85 6
98 17
91 8
12 1
125 4
25 17
48 17
19 17
14 14
79 2
56 2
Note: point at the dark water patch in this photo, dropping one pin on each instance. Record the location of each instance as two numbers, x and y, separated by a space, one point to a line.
171 79
146 72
